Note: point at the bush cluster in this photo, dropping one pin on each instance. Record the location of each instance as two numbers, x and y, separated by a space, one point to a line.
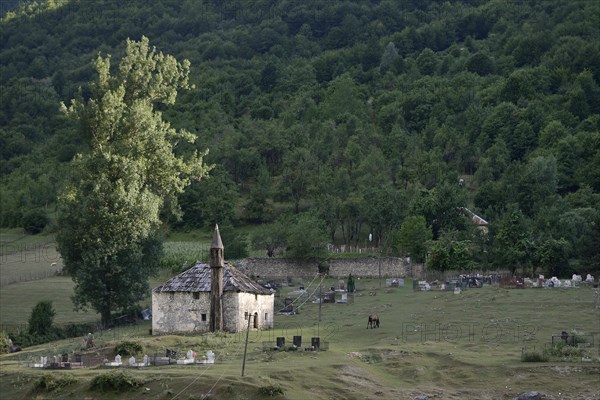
128 348
25 338
565 352
53 382
117 381
533 356
4 343
270 390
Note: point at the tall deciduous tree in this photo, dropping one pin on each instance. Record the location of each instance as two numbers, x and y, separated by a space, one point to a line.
513 243
41 318
111 209
413 237
450 252
307 237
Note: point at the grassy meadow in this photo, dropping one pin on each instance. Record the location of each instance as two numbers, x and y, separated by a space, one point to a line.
437 344
27 257
28 274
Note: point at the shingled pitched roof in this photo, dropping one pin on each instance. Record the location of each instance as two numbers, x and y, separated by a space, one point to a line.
197 279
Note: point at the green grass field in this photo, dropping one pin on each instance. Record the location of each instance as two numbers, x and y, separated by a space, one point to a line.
27 257
439 344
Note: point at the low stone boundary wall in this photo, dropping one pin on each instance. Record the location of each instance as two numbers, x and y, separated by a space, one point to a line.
368 267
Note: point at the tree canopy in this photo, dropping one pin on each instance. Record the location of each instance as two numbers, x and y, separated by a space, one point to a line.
111 210
366 113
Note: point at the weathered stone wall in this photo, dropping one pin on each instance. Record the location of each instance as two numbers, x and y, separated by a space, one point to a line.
368 267
262 306
180 312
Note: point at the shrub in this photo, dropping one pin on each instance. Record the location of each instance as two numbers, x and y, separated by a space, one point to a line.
24 338
118 381
53 382
372 358
76 330
34 221
323 267
41 319
270 390
580 338
5 343
129 348
533 356
564 352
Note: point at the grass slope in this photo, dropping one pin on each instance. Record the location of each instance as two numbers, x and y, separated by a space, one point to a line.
27 257
439 344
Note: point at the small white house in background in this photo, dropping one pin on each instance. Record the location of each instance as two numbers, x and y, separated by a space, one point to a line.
211 297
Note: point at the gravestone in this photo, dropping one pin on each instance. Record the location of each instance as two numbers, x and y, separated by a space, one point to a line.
315 343
41 364
298 341
210 357
116 363
161 360
171 353
343 298
328 298
189 358
288 305
280 342
394 282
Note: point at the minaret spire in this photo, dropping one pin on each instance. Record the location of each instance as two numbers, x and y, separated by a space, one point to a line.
217 258
217 264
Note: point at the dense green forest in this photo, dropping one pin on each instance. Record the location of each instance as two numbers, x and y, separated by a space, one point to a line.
348 117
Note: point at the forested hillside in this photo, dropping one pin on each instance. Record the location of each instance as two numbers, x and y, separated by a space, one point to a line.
355 116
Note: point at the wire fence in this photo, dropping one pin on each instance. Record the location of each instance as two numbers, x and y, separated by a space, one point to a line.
26 277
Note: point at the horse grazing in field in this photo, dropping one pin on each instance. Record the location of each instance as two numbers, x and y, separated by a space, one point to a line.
373 321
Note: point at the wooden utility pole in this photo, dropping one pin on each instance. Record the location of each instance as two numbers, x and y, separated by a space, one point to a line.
320 299
246 345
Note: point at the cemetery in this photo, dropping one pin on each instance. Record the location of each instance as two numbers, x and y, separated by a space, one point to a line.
319 325
475 281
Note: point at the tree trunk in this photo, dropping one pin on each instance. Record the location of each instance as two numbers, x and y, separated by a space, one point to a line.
105 318
105 312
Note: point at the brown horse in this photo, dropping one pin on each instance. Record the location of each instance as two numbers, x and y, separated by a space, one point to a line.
373 321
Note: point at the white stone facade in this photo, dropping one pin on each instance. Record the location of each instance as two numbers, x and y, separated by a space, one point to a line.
238 306
180 312
189 312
